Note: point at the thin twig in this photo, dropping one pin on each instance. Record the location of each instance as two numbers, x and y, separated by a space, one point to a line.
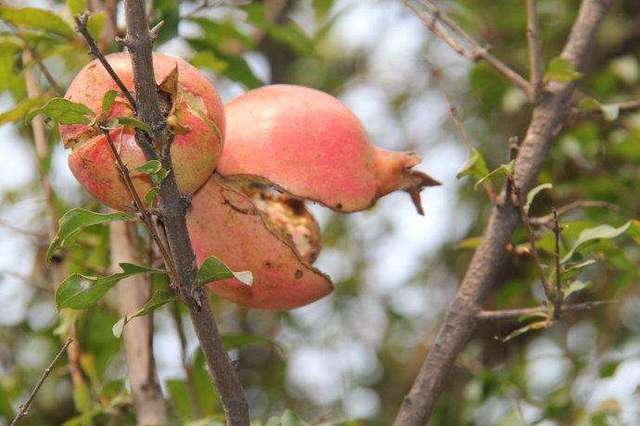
57 270
574 205
138 203
535 55
548 119
514 314
81 26
24 408
557 302
524 215
443 27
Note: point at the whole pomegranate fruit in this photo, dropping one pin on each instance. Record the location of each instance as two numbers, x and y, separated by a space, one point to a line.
309 144
196 115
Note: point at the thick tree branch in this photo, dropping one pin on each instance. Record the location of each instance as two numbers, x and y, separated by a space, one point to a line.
133 292
173 209
459 324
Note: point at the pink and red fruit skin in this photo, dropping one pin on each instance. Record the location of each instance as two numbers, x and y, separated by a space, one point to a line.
225 223
309 144
195 152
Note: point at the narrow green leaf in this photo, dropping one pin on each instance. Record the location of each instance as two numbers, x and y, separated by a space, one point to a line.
289 418
20 110
107 101
151 196
503 169
532 194
157 300
538 325
149 168
561 70
83 291
95 24
597 233
130 122
38 19
575 286
75 220
610 112
212 269
76 7
474 166
63 111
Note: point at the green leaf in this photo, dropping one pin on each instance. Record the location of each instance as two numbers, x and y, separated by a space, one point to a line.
20 110
63 111
503 169
289 33
231 66
235 341
83 291
597 233
150 167
538 325
76 7
157 300
532 194
575 286
475 166
75 220
610 112
322 7
95 24
130 122
151 195
212 269
38 19
469 243
561 70
289 418
107 101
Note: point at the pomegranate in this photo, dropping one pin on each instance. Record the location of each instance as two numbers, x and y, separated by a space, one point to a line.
309 144
276 242
197 117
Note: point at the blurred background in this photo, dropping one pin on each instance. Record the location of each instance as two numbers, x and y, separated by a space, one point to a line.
354 354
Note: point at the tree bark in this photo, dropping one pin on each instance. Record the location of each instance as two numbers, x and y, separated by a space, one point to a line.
460 321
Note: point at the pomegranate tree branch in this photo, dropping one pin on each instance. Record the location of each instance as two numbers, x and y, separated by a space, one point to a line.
579 204
535 55
548 118
24 408
173 209
137 336
447 30
514 314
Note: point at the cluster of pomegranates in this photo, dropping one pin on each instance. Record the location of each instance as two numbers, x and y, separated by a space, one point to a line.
283 145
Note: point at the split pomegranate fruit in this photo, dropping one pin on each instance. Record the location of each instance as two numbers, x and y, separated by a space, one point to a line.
307 145
197 117
284 145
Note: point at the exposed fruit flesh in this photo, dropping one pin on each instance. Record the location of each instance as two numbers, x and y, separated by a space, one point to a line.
225 223
197 117
310 145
